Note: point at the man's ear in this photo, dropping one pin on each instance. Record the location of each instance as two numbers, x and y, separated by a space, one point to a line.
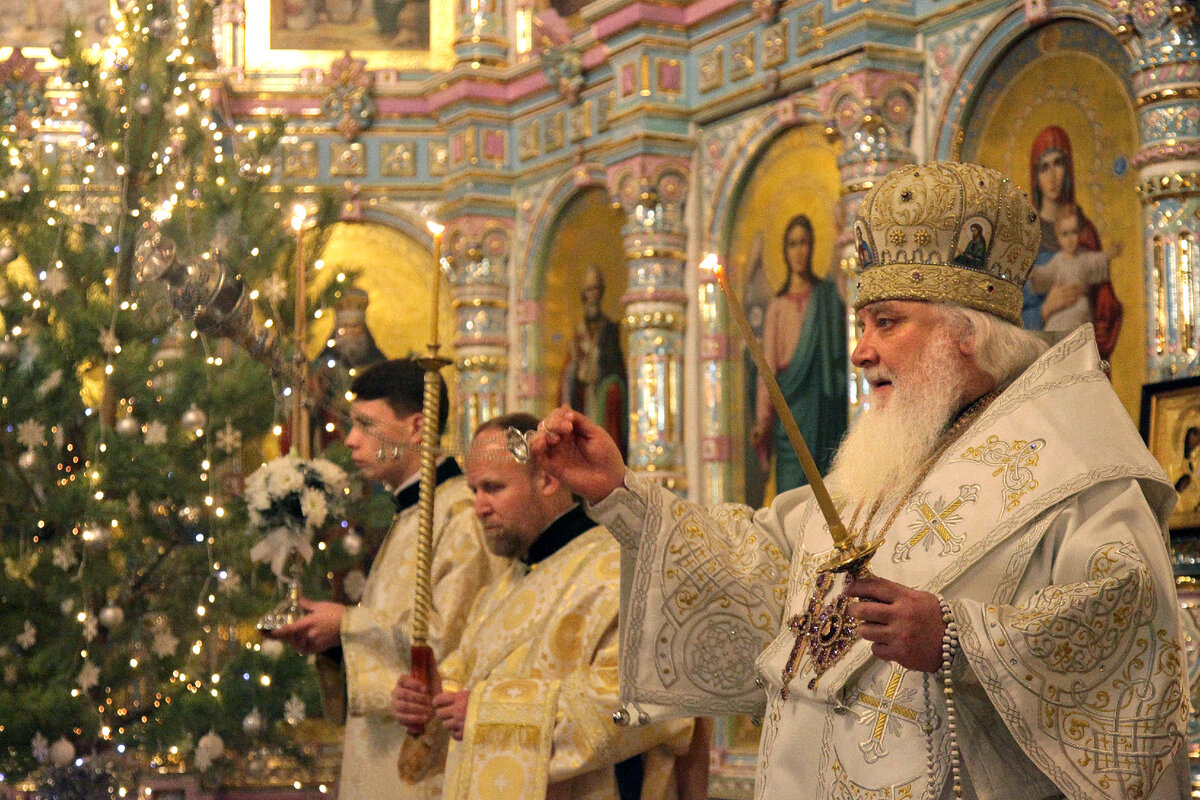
546 483
966 343
418 427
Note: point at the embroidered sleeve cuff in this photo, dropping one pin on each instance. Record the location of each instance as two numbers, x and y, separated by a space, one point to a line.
375 657
624 510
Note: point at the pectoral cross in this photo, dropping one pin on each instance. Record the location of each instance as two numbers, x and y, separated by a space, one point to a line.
824 632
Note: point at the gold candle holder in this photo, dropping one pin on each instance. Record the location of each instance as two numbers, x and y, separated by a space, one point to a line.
421 653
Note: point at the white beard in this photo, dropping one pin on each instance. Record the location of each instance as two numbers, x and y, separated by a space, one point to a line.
887 446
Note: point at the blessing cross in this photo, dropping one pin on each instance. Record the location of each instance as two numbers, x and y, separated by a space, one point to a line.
936 521
886 710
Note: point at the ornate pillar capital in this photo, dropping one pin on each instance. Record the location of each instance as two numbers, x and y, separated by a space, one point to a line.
480 32
655 184
872 113
477 253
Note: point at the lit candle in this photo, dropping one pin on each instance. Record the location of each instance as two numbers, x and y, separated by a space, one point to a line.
841 539
436 230
300 434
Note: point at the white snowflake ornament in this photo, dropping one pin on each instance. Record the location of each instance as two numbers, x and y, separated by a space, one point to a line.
40 747
354 584
294 710
110 342
271 648
31 434
62 752
55 281
27 637
89 676
229 438
64 556
156 432
164 642
274 289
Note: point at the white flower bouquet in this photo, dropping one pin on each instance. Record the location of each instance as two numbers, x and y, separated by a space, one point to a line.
288 499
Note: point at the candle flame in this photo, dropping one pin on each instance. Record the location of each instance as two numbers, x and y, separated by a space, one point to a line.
299 212
434 227
711 262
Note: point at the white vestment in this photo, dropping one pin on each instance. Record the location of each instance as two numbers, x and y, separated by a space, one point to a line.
376 641
539 657
1043 526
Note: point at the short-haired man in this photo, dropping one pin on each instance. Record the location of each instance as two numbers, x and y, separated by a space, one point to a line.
1017 635
528 698
384 439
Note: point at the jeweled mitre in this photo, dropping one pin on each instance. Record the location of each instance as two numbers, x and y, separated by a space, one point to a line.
947 232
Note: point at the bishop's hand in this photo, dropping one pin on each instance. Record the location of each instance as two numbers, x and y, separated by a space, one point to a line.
579 453
905 625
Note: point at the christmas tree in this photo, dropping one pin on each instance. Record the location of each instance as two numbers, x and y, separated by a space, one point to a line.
142 235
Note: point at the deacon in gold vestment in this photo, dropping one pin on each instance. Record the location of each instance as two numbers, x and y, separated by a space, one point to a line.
374 634
1017 636
524 709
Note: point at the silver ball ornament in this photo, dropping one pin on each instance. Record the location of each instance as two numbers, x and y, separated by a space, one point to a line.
127 426
27 460
160 26
111 617
271 648
194 418
62 753
58 49
8 349
143 104
252 723
8 254
352 543
18 183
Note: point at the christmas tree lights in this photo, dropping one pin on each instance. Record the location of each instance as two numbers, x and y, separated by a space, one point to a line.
127 595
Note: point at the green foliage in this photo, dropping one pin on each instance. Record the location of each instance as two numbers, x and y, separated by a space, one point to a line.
119 480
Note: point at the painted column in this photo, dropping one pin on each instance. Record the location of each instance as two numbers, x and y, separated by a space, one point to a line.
655 306
871 113
478 252
715 374
1166 81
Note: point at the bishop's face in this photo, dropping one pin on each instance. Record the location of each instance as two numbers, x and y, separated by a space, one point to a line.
893 335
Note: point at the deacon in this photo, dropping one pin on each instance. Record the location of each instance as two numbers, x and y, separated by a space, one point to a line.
524 709
384 439
1017 633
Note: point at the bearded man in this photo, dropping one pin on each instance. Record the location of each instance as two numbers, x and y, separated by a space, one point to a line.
1017 634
